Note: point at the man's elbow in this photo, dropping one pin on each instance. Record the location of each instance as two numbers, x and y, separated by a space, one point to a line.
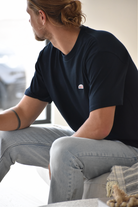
104 132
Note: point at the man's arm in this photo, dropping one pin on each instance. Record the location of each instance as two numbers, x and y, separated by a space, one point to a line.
98 125
27 110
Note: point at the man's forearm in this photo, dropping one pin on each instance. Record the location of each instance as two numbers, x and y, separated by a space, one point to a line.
98 125
10 120
91 132
24 114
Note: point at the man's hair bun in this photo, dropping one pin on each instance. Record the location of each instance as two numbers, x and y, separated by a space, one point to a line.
71 14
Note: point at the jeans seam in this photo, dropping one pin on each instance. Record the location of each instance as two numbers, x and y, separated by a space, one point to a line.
104 156
71 162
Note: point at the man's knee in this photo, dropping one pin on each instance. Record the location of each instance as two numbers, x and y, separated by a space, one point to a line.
60 146
62 154
59 152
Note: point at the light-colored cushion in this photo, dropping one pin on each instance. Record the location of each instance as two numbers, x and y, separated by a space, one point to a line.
95 188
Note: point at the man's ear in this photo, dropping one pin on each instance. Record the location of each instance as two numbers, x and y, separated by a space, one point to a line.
43 17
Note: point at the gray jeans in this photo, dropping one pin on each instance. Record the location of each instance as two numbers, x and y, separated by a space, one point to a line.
71 159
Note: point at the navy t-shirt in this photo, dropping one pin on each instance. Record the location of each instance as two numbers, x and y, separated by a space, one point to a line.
97 73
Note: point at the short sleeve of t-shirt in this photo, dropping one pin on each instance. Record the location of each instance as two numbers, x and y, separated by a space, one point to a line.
37 87
106 74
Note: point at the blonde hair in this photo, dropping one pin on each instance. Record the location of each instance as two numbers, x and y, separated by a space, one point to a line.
65 12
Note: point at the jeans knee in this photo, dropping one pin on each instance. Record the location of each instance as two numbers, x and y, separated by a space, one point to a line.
59 152
59 147
62 154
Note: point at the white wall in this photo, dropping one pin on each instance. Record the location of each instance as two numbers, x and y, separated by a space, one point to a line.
116 16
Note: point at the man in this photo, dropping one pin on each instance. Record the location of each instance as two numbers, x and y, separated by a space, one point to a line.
94 83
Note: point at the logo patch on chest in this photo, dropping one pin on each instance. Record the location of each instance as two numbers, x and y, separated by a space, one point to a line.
80 86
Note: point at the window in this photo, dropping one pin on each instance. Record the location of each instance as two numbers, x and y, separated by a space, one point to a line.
18 53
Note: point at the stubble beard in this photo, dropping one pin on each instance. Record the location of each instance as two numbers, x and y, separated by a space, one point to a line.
38 38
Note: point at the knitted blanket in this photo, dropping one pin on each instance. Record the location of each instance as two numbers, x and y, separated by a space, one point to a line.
125 177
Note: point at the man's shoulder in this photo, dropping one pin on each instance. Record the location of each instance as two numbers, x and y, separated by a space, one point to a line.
103 41
47 52
94 33
47 49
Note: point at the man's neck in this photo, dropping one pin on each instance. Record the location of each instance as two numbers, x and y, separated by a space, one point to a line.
64 38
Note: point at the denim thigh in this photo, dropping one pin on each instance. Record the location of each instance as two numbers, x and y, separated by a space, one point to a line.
96 156
28 146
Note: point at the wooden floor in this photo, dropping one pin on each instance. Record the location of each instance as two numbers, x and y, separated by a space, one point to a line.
23 187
